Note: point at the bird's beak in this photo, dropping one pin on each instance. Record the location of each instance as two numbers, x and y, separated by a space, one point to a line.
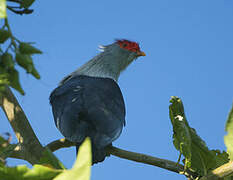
141 53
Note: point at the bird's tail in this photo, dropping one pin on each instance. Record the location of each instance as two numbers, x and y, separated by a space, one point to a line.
98 155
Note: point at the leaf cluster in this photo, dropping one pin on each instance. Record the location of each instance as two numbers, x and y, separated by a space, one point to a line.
229 137
47 169
6 148
20 6
16 53
197 156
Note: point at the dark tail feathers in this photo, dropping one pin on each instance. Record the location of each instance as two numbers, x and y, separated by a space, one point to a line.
98 155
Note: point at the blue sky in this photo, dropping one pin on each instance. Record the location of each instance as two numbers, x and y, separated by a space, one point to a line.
189 54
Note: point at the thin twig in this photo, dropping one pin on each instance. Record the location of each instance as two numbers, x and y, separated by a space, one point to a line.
60 143
15 1
20 12
146 159
11 34
30 147
15 7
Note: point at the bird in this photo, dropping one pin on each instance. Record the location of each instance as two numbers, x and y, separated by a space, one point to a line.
89 102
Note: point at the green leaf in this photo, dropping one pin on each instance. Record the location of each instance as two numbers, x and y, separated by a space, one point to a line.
4 76
4 35
203 160
6 148
35 73
48 158
228 139
25 61
14 80
7 61
3 79
12 173
27 3
8 75
2 162
38 172
181 135
2 9
26 48
82 167
197 155
221 157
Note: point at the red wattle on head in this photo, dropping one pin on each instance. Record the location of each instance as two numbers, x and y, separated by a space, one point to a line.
128 45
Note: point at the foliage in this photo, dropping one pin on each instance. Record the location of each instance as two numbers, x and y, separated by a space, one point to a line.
82 167
229 137
15 52
6 148
197 155
22 172
49 159
80 170
2 8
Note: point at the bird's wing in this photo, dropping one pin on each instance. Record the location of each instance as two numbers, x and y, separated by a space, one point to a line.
89 106
106 109
68 110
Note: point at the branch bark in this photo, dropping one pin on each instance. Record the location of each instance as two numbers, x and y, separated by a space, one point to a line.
30 147
217 174
220 172
133 156
146 159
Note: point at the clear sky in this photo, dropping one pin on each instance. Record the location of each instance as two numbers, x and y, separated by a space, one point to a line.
189 47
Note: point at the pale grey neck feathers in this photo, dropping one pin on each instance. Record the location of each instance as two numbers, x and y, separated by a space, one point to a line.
108 64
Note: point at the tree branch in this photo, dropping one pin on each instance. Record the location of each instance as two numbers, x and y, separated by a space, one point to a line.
60 143
30 147
138 157
20 12
220 172
146 159
15 1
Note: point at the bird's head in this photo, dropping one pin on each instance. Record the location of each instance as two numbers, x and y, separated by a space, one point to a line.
130 47
121 53
113 59
123 48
